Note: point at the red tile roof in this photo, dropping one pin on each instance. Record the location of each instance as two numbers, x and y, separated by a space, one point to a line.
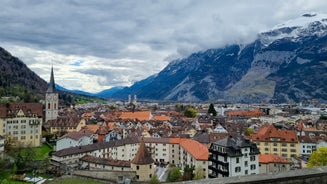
196 149
245 113
161 118
140 115
266 133
270 158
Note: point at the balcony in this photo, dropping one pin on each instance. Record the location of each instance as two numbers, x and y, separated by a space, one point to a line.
224 173
217 152
218 162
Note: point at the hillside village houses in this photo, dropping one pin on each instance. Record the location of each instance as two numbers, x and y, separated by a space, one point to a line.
97 138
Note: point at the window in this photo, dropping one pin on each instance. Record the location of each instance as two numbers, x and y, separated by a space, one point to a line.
284 144
284 150
137 177
237 160
246 171
275 144
293 150
150 166
150 175
253 167
246 163
266 149
137 167
266 143
237 169
252 158
292 145
275 149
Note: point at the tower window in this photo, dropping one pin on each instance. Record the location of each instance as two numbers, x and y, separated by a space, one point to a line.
55 105
48 105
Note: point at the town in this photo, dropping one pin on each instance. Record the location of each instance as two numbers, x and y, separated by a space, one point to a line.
132 141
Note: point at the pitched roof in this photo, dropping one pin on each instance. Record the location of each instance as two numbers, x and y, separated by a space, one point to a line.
196 149
143 156
29 109
161 118
140 115
268 132
105 161
271 158
77 135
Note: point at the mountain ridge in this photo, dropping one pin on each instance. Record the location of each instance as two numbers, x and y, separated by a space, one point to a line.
256 72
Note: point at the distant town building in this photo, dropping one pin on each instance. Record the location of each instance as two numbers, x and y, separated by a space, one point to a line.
271 140
22 122
269 163
233 156
73 139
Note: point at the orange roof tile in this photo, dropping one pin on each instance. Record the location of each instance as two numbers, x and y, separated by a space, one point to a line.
265 134
174 140
270 158
196 149
92 128
140 115
161 118
246 113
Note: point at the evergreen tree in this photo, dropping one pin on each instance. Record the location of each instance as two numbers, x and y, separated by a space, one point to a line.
212 111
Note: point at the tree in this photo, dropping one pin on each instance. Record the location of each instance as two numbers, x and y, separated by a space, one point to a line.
212 111
190 112
174 174
154 179
318 158
199 173
249 131
188 173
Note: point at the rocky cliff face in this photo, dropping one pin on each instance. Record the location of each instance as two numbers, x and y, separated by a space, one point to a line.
288 63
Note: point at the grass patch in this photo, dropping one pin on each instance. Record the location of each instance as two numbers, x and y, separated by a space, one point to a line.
40 153
72 181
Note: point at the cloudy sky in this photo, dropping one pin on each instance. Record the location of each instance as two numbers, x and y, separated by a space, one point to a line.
98 44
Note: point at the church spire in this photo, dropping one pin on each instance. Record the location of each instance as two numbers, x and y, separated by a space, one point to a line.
52 87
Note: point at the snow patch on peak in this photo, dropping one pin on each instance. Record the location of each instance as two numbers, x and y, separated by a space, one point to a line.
303 21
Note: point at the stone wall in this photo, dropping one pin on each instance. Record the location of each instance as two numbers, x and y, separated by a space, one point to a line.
302 176
106 176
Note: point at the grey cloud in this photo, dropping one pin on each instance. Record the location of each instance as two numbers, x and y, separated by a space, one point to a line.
123 32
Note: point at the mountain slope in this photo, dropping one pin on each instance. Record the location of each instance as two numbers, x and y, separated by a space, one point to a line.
15 76
285 64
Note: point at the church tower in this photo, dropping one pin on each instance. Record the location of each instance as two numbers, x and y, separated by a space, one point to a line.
51 100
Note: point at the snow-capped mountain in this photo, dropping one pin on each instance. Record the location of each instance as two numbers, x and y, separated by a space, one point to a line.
288 63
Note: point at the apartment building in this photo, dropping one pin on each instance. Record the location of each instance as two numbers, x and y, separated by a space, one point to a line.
22 122
179 151
233 156
271 140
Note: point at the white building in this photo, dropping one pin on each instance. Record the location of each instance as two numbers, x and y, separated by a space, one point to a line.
178 151
307 145
233 156
74 139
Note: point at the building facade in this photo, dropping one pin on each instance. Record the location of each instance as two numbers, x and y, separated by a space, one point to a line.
271 140
179 151
233 156
269 163
22 123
